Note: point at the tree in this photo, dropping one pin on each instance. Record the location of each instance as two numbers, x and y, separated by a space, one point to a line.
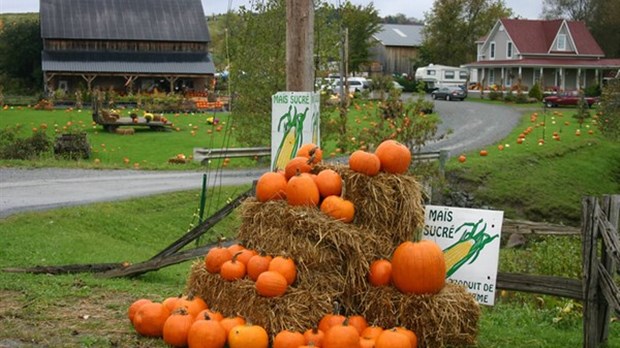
608 117
362 23
576 10
20 61
453 26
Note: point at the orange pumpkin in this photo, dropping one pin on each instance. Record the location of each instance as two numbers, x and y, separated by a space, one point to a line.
310 151
423 259
288 339
364 162
257 265
359 323
206 334
314 337
296 166
171 302
329 183
483 153
380 273
285 266
193 304
229 323
216 257
331 319
246 336
341 336
367 342
338 208
235 248
208 314
462 158
413 339
302 190
394 157
271 284
392 339
372 332
233 269
133 308
176 328
150 319
245 255
271 186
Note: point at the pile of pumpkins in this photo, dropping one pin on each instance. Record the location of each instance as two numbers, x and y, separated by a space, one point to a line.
299 187
187 322
272 275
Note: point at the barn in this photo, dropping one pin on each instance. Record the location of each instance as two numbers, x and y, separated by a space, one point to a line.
128 46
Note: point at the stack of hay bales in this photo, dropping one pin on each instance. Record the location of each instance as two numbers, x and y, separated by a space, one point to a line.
333 260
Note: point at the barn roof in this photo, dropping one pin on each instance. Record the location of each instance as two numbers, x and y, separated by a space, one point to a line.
128 63
143 20
400 35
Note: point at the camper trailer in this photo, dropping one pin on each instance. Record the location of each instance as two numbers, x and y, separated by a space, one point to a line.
436 76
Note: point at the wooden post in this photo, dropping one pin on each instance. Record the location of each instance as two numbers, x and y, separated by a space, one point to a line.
611 209
590 273
299 45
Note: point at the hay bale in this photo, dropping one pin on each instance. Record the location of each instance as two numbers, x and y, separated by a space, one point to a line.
387 203
299 309
449 318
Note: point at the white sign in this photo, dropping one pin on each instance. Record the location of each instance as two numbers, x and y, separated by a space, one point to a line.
470 239
295 118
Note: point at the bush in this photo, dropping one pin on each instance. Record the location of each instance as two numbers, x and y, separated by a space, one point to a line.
521 98
609 115
509 97
495 95
536 92
593 91
12 147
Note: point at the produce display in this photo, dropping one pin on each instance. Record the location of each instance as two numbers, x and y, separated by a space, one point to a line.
327 257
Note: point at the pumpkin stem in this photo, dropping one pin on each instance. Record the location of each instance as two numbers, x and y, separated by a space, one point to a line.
336 307
234 258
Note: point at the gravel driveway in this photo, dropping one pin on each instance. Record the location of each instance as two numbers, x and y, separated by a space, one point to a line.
474 125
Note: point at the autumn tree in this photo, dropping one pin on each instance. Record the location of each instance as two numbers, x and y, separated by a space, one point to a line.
362 22
20 61
453 26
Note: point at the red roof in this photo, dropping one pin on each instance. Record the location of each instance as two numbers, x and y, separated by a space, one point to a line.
551 62
533 36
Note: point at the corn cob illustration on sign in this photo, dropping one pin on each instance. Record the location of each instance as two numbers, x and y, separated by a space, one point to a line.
294 121
470 239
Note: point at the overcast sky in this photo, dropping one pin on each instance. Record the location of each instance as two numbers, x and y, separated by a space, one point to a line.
411 8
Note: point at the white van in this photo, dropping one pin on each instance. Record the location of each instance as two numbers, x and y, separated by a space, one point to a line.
356 84
436 76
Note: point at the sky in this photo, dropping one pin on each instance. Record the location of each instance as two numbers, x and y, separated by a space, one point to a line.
530 9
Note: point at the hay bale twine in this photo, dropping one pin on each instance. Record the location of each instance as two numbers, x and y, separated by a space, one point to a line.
449 318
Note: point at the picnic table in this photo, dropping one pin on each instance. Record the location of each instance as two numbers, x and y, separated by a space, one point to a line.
111 120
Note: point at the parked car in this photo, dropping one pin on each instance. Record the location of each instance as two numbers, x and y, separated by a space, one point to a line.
449 93
397 86
567 98
356 84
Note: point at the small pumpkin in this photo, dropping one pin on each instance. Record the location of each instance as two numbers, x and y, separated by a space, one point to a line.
358 322
133 308
257 265
364 162
235 248
395 157
229 323
193 304
176 328
331 319
171 302
216 257
372 332
301 190
208 314
248 335
311 152
367 342
288 339
484 153
271 284
296 166
392 339
245 255
285 266
462 158
338 208
419 268
150 319
271 186
413 338
314 336
341 336
329 183
380 273
206 334
233 269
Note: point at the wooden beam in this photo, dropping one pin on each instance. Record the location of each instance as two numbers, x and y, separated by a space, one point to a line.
540 284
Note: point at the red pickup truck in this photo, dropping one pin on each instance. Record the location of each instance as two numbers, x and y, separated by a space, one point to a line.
567 98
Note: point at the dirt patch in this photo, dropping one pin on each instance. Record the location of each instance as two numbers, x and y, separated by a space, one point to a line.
97 321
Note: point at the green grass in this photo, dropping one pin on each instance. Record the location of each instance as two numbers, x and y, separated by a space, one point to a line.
543 181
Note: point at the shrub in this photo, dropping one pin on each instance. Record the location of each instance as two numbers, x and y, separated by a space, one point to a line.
536 92
495 95
12 147
509 97
521 98
593 91
583 111
609 115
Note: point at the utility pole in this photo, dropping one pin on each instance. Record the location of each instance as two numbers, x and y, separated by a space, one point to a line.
299 45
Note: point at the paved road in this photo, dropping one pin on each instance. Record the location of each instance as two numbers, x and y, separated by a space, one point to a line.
473 124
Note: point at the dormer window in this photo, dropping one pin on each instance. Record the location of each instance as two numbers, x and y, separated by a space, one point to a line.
561 42
492 50
509 49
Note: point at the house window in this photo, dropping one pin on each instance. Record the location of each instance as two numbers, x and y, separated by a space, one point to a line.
449 74
536 76
491 76
561 45
463 75
430 72
492 50
509 49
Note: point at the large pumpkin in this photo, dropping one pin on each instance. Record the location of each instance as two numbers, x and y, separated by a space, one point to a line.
394 156
365 162
150 319
271 186
419 268
302 190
